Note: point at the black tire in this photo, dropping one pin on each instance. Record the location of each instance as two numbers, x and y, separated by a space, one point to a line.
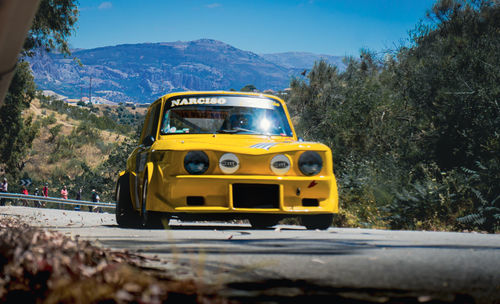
317 221
126 216
263 221
151 219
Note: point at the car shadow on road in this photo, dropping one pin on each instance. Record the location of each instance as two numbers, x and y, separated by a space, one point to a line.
216 227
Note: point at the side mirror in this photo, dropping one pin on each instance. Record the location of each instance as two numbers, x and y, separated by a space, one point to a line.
148 141
300 139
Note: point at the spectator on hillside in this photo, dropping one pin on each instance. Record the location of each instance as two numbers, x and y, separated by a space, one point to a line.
45 190
95 198
3 188
25 192
79 194
64 193
78 198
37 203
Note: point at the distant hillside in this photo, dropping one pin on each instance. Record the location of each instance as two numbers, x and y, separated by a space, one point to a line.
143 72
302 60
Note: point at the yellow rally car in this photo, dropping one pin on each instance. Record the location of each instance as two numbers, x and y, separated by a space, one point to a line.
225 155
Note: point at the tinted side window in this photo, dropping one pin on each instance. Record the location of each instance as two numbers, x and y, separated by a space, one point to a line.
151 123
156 117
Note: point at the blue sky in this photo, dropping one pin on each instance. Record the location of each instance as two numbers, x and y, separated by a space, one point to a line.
333 27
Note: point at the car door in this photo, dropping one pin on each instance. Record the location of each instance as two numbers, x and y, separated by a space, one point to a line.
141 155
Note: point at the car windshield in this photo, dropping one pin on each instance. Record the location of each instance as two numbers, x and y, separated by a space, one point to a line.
225 114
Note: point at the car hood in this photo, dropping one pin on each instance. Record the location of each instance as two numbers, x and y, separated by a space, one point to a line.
253 145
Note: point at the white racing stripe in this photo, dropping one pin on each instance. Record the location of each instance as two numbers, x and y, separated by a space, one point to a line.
265 146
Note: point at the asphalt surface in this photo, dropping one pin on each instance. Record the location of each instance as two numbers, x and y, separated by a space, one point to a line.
289 262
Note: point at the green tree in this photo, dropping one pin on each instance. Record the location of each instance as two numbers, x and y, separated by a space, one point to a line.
451 77
52 25
249 88
17 133
354 112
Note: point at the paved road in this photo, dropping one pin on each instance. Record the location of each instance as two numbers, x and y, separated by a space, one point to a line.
373 265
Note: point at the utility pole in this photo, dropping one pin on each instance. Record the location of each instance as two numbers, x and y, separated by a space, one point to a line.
90 90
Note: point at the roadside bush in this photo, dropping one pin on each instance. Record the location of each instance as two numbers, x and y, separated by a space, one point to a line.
430 203
453 200
483 186
415 134
362 193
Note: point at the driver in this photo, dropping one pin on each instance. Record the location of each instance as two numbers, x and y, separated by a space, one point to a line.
243 121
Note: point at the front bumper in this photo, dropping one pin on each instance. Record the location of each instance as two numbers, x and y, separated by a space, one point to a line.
216 194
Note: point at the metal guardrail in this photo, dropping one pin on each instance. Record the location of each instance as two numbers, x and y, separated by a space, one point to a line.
55 200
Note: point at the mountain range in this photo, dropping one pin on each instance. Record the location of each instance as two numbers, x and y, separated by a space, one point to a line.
143 72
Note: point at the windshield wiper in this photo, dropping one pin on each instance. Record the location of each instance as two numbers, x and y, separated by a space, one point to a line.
237 130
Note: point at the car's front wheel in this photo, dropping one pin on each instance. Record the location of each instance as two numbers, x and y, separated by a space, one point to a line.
317 221
151 219
126 216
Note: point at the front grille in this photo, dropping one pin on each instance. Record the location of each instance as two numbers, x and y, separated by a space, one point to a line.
256 196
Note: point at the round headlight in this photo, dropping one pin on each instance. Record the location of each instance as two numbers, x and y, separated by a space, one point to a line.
196 162
280 164
229 163
310 163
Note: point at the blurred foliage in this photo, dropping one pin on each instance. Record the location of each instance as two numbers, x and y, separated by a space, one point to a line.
44 266
415 133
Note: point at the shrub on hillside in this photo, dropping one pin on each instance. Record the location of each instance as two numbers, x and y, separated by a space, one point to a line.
54 132
48 120
85 115
86 133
